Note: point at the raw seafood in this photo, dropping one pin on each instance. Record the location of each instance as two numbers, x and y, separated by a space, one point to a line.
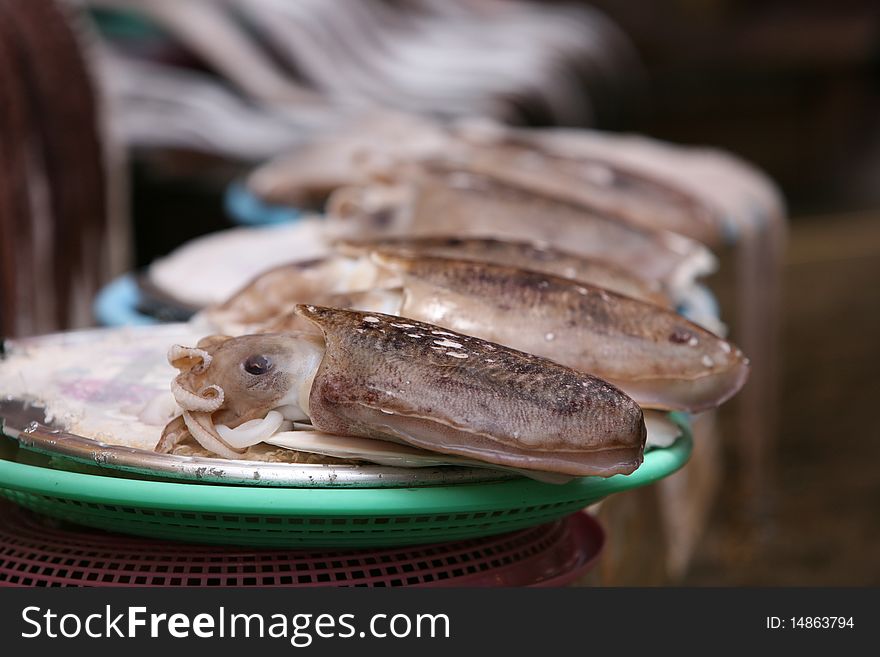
525 255
443 199
381 377
332 280
655 355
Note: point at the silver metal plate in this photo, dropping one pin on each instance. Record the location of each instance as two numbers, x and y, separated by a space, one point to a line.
24 423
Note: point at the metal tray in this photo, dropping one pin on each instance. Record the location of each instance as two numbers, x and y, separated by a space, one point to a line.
24 424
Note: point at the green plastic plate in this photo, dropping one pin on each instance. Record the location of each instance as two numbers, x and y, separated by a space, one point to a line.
316 517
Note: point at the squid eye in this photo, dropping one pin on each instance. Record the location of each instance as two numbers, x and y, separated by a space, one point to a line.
257 364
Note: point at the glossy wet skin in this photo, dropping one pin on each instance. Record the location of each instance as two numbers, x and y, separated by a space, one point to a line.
525 255
655 355
387 378
343 279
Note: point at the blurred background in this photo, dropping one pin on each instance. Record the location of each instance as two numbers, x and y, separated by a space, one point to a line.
123 124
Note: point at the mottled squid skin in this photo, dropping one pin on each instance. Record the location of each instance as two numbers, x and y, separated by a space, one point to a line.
660 359
384 377
525 255
339 279
393 378
653 354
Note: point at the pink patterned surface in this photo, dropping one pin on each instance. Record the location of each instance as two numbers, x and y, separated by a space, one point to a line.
38 552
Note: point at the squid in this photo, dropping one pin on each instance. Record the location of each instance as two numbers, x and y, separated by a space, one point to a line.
538 257
656 356
442 198
380 377
598 182
660 359
333 280
621 176
306 176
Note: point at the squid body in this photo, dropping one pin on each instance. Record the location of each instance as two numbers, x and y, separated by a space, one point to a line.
380 377
656 356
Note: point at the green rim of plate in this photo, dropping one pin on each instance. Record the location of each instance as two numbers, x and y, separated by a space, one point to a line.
317 517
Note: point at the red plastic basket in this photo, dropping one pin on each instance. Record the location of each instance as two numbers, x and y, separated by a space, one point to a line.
37 551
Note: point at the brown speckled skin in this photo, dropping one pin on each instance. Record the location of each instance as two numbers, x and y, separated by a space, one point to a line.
395 378
525 255
277 290
655 355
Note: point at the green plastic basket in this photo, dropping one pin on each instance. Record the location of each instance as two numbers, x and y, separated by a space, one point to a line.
316 517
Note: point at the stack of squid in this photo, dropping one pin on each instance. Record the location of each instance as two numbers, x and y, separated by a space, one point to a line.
490 297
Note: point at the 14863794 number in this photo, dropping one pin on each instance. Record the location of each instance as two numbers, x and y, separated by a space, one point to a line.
821 622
